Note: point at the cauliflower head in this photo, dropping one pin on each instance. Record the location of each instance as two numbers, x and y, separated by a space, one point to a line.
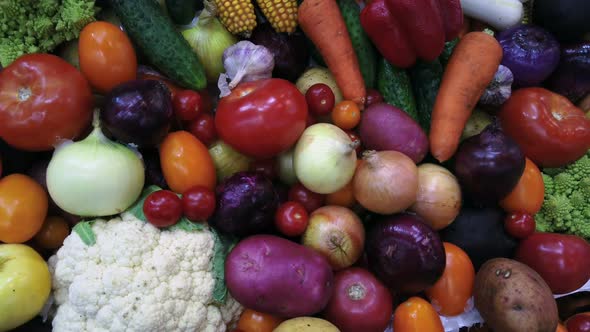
136 277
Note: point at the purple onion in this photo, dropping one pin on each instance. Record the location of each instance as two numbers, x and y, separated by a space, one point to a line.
530 52
405 253
489 165
572 76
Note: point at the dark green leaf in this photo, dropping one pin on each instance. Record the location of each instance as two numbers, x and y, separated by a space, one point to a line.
85 232
188 226
223 245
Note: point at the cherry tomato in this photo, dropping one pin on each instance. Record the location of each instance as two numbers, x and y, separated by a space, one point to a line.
320 99
52 233
291 218
198 203
549 129
188 105
416 315
578 323
519 224
346 114
254 321
43 99
162 208
449 295
309 199
107 57
373 97
529 192
203 128
360 302
262 118
343 197
268 167
355 139
186 162
23 208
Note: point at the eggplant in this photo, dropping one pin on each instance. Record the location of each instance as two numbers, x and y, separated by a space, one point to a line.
290 51
246 205
530 52
572 76
489 165
569 20
405 253
138 112
481 234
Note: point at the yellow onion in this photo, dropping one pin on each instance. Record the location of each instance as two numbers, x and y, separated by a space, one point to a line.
208 39
386 182
324 158
439 196
227 161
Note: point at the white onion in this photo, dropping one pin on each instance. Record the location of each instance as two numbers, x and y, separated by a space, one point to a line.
439 196
324 158
95 177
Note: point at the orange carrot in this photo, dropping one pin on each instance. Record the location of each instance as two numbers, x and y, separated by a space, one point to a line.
324 25
470 69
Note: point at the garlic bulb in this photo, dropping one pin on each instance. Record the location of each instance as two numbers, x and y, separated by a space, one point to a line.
245 62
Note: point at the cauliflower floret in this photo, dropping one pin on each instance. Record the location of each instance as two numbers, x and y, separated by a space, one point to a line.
138 278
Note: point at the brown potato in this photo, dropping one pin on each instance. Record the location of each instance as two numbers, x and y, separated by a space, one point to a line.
511 297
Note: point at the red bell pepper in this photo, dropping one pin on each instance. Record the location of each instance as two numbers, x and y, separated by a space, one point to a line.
406 30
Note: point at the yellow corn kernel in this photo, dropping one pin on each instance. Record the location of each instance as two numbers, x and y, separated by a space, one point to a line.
282 14
237 16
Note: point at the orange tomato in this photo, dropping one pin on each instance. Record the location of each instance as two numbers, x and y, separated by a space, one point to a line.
107 57
254 321
416 315
186 162
527 196
23 207
343 197
450 293
346 114
52 233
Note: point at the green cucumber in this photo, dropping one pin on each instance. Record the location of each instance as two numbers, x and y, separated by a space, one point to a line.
426 78
182 12
164 47
447 51
364 49
395 87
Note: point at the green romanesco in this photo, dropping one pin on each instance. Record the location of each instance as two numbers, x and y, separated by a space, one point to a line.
566 208
38 26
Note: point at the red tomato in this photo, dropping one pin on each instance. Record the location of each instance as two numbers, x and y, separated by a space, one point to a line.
107 57
549 129
373 97
23 208
311 200
203 128
268 167
529 192
198 203
162 208
578 323
188 105
561 260
254 321
519 225
291 218
320 99
416 315
43 99
262 118
360 302
450 293
186 162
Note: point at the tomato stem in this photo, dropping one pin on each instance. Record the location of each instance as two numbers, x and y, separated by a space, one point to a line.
356 292
24 93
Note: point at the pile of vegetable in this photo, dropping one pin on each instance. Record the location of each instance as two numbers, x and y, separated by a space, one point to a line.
315 165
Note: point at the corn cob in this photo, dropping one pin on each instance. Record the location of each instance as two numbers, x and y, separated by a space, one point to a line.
282 14
237 16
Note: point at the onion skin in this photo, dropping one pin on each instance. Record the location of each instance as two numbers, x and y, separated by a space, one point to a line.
337 233
438 201
386 182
